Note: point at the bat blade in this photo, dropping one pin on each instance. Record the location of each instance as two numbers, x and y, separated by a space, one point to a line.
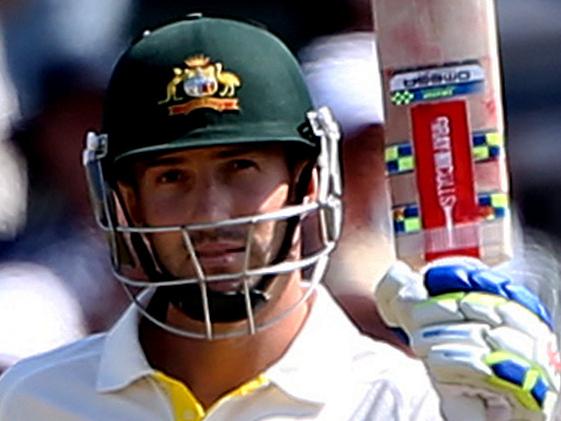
444 129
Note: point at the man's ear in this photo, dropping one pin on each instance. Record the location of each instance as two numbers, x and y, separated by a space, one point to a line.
306 182
313 187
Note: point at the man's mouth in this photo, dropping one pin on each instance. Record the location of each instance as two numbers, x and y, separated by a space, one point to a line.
216 250
222 257
218 254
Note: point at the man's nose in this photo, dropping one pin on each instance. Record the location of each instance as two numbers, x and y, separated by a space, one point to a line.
211 203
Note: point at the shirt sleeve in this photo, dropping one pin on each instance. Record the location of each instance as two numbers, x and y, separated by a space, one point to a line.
401 390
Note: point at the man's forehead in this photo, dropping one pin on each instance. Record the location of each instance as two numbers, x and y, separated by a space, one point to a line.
214 152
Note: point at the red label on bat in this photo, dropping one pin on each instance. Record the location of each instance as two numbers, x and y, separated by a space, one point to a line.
444 168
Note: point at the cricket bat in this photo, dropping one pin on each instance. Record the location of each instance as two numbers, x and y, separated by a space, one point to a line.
444 137
444 129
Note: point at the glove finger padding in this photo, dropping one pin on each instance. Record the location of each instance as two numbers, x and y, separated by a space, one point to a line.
396 295
477 332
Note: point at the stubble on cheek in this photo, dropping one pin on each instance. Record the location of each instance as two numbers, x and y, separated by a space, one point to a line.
171 254
268 240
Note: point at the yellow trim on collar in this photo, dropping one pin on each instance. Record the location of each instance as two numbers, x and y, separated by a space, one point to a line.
186 406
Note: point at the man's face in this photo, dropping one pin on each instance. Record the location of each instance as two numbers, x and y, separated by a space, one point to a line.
210 185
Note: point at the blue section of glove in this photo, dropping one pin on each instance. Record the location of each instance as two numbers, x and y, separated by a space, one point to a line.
466 278
515 373
523 296
538 391
510 371
485 280
444 279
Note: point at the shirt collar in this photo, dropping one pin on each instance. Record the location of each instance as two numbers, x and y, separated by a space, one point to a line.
122 359
322 344
322 348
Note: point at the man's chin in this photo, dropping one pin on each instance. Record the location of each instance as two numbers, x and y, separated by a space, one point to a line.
225 300
226 287
216 272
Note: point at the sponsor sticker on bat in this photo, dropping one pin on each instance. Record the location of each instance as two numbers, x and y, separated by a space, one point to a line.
445 178
434 83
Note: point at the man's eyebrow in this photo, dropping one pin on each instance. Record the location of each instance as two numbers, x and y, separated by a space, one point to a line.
237 151
162 161
223 153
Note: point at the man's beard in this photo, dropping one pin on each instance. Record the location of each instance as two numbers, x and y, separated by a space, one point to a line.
223 307
225 300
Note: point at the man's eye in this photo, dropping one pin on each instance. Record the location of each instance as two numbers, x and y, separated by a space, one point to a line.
171 176
243 164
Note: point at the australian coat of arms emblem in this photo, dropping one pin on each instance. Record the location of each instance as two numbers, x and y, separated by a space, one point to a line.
201 84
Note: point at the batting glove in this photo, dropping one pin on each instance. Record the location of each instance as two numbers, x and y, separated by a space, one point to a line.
488 344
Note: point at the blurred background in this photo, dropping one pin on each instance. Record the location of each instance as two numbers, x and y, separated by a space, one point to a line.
55 60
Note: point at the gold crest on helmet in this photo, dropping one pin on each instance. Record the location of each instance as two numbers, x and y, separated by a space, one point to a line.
204 85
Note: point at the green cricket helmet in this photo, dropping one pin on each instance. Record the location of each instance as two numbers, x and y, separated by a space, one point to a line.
203 82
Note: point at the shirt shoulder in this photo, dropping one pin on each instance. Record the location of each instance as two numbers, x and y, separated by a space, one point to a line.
380 381
393 380
73 363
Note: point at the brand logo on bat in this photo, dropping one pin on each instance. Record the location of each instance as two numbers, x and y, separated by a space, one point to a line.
440 76
435 83
444 165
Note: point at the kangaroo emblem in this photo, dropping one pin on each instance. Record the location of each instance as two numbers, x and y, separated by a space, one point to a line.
180 76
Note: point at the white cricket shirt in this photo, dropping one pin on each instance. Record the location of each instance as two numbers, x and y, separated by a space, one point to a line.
330 373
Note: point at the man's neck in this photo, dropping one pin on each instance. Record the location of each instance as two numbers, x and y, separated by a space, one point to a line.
212 368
